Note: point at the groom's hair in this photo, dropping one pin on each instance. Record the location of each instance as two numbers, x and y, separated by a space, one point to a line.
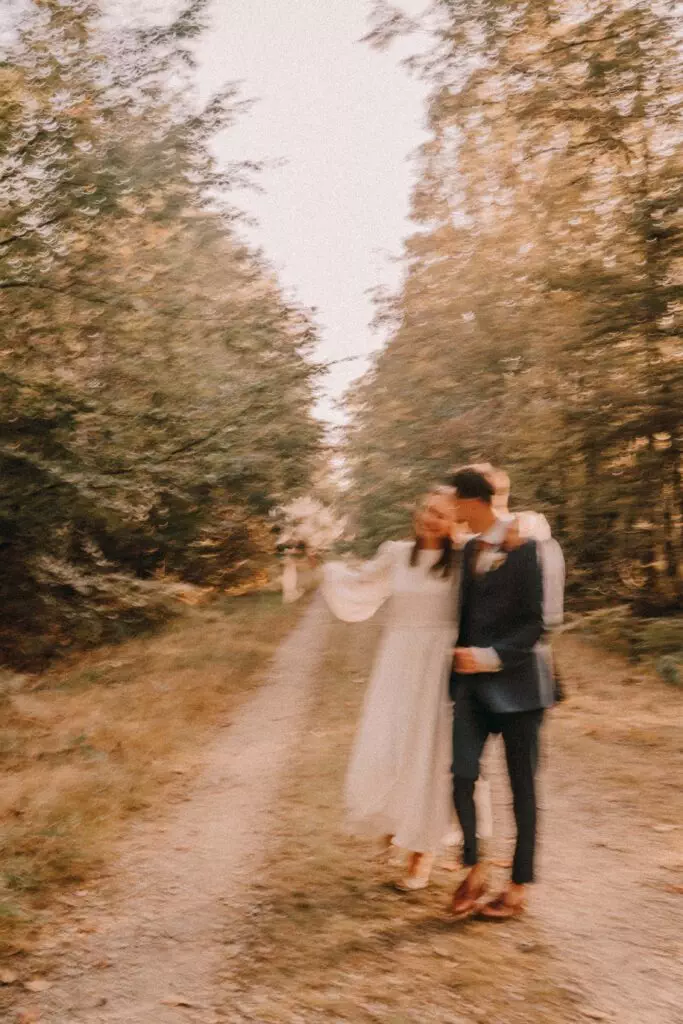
498 477
470 483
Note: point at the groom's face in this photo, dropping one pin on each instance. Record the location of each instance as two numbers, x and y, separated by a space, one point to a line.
468 510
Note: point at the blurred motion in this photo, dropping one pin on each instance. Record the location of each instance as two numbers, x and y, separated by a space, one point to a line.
539 322
157 387
184 498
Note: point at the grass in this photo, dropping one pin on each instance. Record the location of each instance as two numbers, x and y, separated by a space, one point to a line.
86 745
626 722
328 939
654 643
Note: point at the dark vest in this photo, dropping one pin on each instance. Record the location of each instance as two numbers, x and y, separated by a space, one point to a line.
503 609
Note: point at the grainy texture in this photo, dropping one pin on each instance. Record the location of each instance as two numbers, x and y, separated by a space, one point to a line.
161 941
249 903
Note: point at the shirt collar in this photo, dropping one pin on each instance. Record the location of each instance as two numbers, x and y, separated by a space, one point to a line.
496 533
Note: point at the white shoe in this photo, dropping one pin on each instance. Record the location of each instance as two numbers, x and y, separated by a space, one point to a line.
412 883
418 879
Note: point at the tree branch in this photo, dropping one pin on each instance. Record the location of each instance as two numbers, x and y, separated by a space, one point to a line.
99 300
27 234
583 42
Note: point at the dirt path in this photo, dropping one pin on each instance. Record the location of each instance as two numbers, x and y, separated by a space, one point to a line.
606 906
248 904
335 942
153 955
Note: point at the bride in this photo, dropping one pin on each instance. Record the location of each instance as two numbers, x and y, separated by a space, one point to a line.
398 785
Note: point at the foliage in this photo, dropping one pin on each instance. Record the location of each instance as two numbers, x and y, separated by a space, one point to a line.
539 322
156 386
671 670
658 641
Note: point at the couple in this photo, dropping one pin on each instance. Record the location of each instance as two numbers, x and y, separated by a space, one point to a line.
413 758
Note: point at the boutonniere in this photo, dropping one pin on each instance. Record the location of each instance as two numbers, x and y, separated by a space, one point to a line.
499 558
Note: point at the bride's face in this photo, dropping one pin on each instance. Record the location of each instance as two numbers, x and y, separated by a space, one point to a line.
435 516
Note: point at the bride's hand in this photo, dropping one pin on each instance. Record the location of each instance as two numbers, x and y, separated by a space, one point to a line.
460 534
513 537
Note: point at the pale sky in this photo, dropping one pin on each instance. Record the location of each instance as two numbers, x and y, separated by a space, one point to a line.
345 119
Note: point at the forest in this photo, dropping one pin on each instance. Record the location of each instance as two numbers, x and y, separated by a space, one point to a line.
157 386
539 322
184 688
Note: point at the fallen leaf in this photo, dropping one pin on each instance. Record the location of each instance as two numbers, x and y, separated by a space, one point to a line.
664 828
176 1001
443 948
678 889
529 947
594 1014
8 977
571 990
37 985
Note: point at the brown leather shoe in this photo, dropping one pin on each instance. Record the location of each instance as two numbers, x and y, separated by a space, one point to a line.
466 897
500 909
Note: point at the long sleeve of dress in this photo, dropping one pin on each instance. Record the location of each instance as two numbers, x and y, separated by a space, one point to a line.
355 594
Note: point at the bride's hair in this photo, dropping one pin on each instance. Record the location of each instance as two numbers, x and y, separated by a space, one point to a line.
444 564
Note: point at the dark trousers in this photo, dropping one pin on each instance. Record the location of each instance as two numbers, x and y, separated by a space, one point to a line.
521 733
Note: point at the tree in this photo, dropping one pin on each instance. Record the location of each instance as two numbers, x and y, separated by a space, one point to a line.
538 324
157 387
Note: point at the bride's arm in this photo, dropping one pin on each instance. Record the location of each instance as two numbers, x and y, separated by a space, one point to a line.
554 571
535 526
355 594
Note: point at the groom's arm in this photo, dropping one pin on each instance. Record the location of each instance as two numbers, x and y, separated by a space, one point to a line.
514 646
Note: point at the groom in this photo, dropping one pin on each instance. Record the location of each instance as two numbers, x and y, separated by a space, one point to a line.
500 684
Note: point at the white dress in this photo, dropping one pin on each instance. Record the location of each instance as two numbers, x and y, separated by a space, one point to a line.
290 581
399 776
